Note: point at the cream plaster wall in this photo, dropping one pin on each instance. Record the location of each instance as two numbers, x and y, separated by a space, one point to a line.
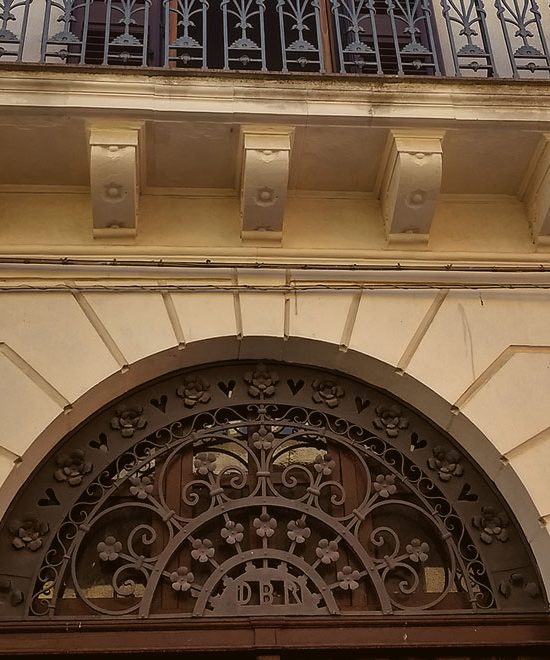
477 362
35 222
485 356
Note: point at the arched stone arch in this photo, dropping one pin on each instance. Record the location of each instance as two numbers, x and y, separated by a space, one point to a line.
308 352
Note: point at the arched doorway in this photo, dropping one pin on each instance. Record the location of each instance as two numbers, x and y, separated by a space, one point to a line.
265 507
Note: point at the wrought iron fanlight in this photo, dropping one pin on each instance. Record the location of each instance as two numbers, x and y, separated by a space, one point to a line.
253 490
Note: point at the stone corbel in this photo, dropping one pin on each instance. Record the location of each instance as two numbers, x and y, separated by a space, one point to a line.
409 183
114 178
535 193
264 182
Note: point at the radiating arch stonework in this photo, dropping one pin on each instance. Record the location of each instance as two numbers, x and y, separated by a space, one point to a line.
58 358
252 488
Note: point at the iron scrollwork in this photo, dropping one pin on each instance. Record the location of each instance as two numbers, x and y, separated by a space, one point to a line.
380 37
252 490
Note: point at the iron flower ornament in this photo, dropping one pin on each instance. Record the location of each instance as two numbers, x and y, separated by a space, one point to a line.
261 382
232 532
446 462
384 485
327 551
265 525
128 420
263 439
72 467
142 486
492 525
417 550
193 390
327 391
181 579
28 533
203 550
348 578
391 420
298 531
109 549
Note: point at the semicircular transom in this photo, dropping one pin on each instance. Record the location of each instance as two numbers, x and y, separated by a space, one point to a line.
261 489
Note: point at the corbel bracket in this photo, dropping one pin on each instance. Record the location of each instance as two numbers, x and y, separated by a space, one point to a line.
264 182
114 178
535 192
409 183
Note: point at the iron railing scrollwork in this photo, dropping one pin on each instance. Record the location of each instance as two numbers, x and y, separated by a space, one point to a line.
252 490
397 37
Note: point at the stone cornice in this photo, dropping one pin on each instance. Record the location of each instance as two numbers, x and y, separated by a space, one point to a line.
312 99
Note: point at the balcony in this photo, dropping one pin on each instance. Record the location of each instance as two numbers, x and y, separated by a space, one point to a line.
271 124
343 37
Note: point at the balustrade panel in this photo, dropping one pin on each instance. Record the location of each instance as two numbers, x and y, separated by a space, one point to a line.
524 35
472 38
299 27
385 37
186 39
14 20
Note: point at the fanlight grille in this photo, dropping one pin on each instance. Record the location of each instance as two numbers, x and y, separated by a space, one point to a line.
262 490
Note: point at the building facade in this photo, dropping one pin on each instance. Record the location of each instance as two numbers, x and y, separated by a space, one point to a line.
275 327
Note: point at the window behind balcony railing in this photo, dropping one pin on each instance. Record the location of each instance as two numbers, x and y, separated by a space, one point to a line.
217 35
376 37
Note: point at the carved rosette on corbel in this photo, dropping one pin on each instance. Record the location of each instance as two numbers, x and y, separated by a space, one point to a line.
409 184
264 182
114 177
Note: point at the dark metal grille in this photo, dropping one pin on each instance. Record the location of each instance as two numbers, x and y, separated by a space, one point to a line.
383 37
260 490
386 36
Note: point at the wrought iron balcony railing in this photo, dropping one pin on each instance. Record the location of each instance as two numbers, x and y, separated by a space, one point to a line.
380 37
